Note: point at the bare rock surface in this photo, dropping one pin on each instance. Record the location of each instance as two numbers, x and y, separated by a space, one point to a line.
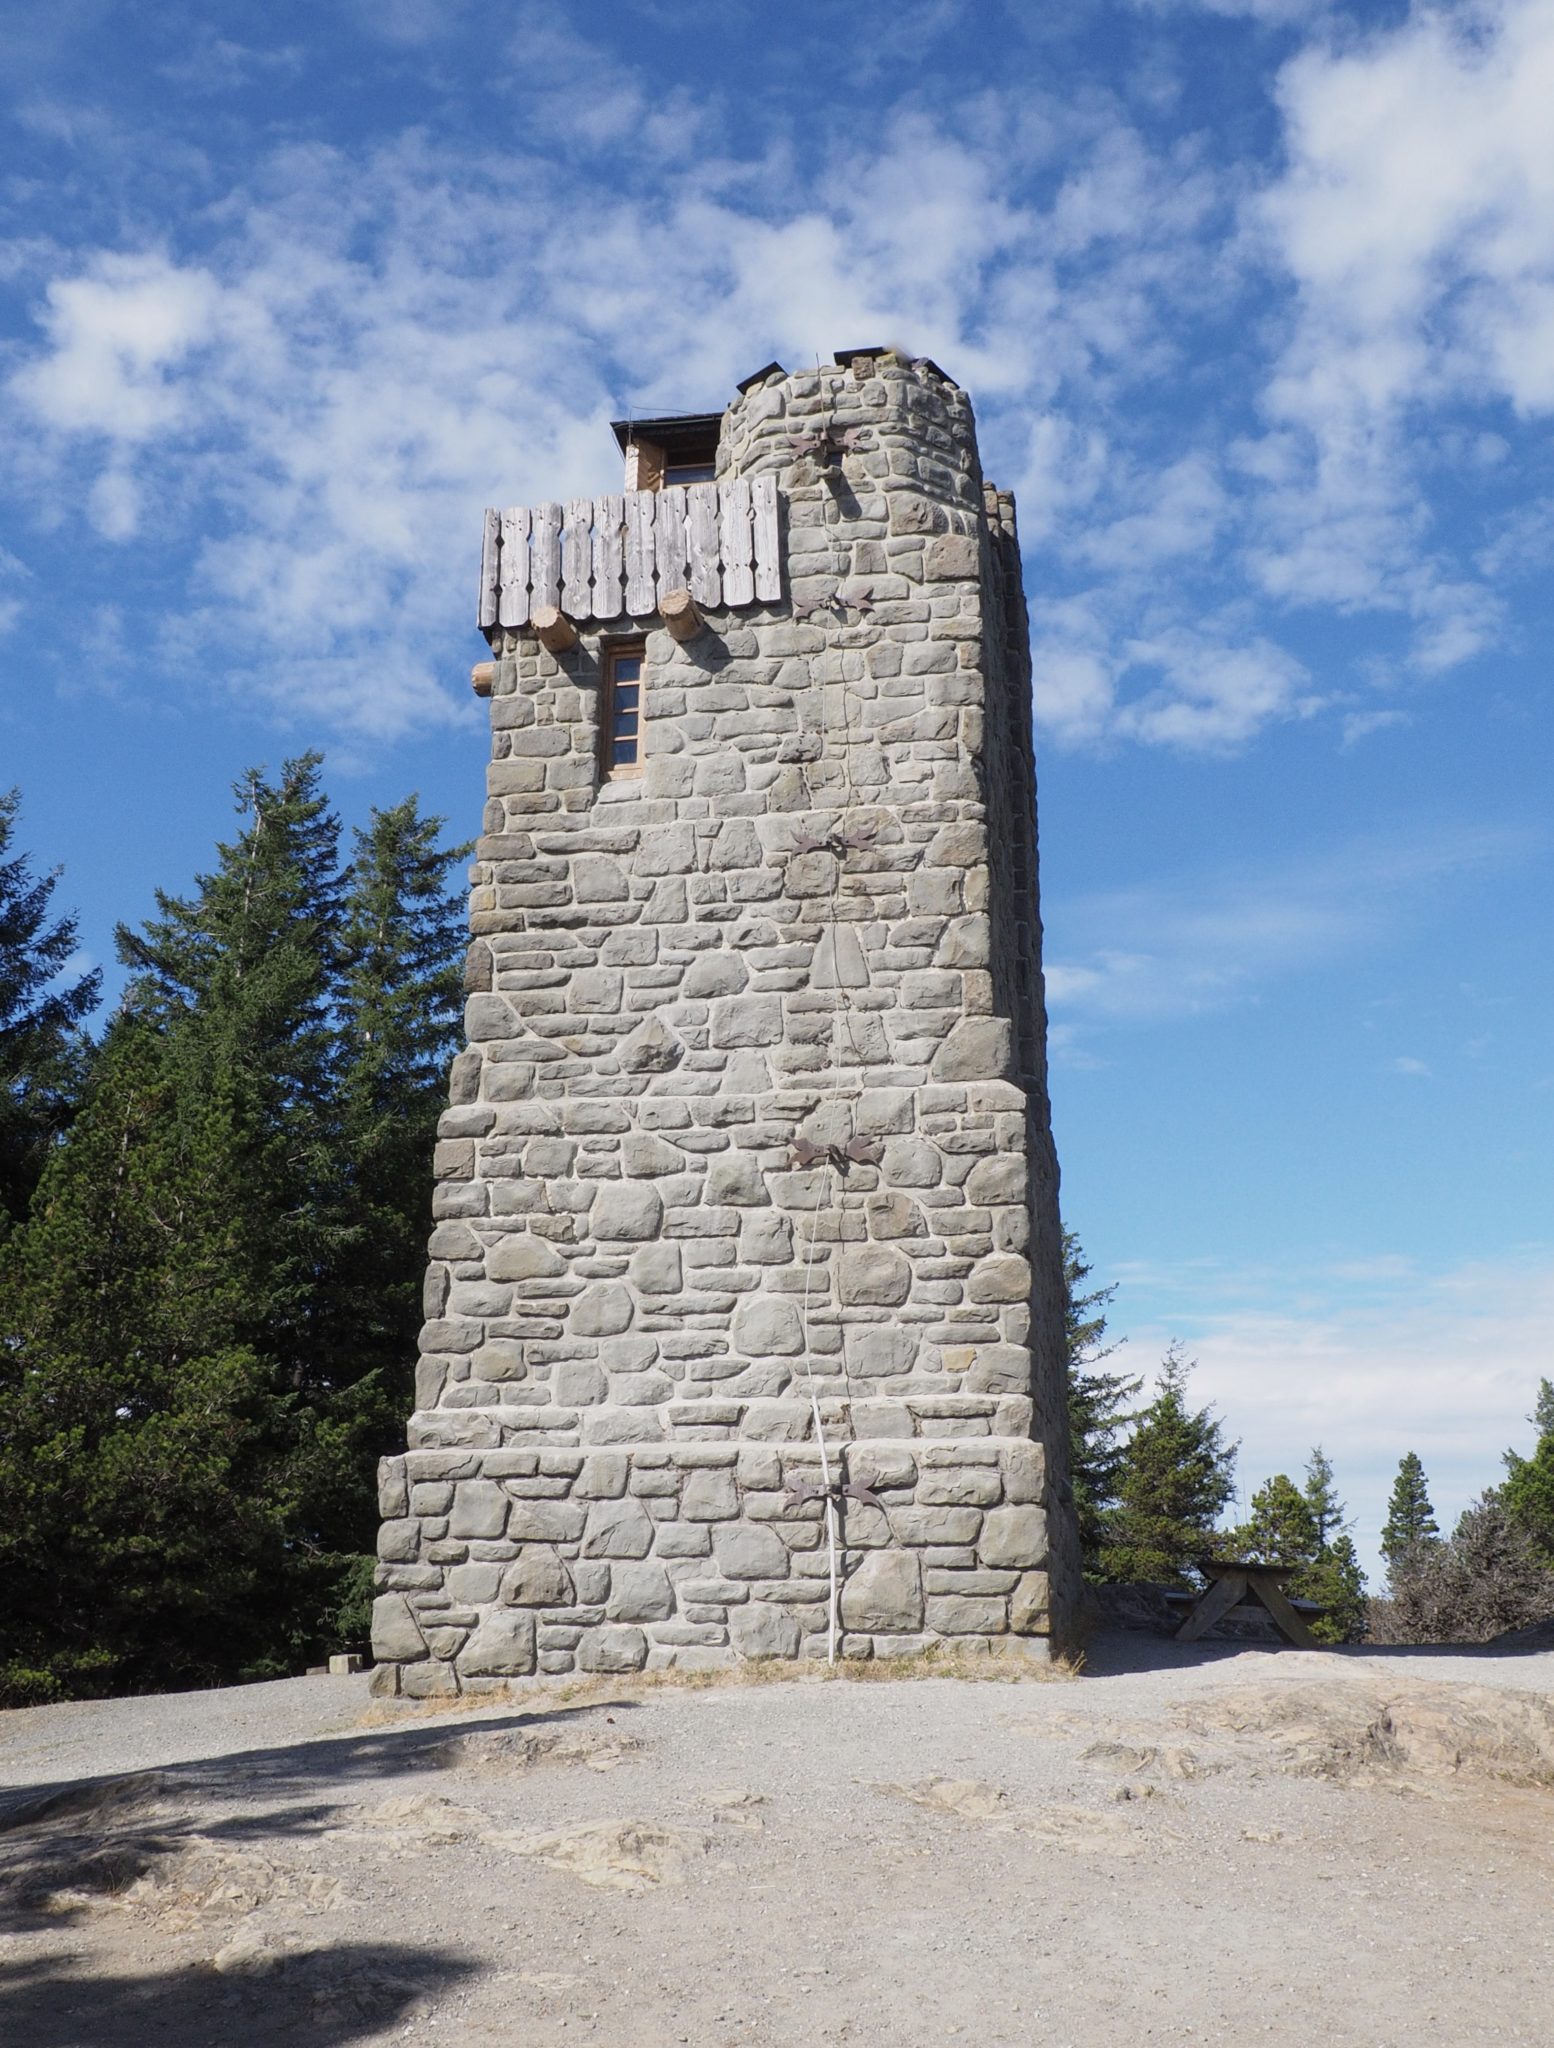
1182 1846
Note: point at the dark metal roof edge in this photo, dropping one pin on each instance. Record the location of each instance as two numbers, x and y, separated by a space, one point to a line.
758 376
667 427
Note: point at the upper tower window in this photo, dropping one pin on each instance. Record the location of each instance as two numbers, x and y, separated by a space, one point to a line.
620 710
681 448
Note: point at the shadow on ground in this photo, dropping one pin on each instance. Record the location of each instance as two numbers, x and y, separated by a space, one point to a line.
65 1846
330 1995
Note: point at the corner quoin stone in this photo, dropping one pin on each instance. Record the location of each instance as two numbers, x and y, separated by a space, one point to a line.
752 1119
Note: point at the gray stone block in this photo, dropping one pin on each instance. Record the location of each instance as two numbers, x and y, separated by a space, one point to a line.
883 1594
618 1528
502 1646
612 1648
1014 1537
639 1591
748 1551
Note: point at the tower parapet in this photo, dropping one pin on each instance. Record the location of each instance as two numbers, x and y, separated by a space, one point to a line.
745 1300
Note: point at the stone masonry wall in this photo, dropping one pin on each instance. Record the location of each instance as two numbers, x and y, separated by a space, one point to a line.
752 1126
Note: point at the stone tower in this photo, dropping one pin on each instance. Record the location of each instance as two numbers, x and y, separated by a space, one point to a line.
745 1305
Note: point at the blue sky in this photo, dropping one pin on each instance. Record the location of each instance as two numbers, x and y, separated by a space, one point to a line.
1256 302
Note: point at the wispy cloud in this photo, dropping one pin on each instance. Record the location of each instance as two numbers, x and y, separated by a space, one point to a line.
1369 1358
316 374
1194 943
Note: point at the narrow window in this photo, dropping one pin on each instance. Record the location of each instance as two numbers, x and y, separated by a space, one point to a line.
620 711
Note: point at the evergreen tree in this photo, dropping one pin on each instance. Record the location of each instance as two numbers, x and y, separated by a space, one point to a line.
1337 1583
1410 1523
42 1054
1097 1402
1528 1494
402 942
1542 1416
241 977
1281 1528
1177 1476
1321 1496
207 1325
138 1436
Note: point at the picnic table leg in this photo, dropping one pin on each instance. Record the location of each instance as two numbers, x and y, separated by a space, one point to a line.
1215 1604
1285 1616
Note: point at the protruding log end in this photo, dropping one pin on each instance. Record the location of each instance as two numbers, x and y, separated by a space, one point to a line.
553 628
680 615
482 678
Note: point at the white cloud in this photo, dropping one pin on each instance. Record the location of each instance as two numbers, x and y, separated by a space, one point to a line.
119 334
1370 1359
1413 1069
354 350
1192 943
1414 221
372 348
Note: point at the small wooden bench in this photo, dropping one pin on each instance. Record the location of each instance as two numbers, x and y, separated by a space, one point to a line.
1235 1582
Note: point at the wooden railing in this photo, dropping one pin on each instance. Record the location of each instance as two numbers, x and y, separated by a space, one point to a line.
600 558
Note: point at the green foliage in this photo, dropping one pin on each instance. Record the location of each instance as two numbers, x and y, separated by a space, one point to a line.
1097 1403
1280 1529
1410 1523
1334 1579
1528 1494
1488 1577
137 1434
1303 1527
41 1050
207 1323
1176 1477
1320 1494
1542 1416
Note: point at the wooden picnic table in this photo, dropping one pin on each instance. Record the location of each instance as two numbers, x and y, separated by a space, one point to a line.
1234 1580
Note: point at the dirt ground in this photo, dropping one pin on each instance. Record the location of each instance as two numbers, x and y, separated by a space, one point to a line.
1217 1845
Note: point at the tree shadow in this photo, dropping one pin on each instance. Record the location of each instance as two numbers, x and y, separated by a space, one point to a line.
334 1994
67 1846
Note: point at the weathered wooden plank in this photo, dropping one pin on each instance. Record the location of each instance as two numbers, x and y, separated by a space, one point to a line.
545 558
702 529
577 550
514 567
641 596
1224 1594
669 538
768 561
609 518
734 541
489 549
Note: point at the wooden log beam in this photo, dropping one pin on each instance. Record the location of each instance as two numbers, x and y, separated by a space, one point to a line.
482 677
556 631
680 615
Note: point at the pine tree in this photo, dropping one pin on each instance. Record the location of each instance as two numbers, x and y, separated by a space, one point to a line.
1542 1416
139 1438
1528 1494
1337 1583
1321 1496
403 939
1281 1528
42 1054
402 942
1410 1523
1097 1402
242 976
1177 1476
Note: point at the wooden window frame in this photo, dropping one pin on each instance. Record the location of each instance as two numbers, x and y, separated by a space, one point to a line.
610 656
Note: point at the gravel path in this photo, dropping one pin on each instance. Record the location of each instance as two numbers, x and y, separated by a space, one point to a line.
1212 1845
